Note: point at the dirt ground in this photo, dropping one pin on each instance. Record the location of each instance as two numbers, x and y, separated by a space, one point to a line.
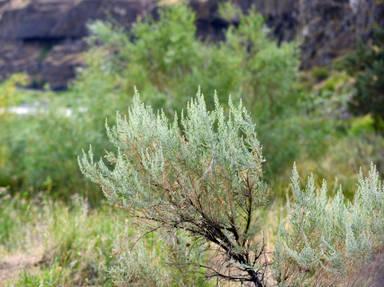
12 265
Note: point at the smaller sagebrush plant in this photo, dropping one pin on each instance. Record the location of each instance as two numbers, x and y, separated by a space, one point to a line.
200 173
326 238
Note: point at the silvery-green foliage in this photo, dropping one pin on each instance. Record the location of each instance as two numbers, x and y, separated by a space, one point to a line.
328 235
200 172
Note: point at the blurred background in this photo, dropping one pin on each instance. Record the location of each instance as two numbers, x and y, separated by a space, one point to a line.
46 38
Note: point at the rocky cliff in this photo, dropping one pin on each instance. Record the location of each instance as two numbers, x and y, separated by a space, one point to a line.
330 27
45 38
325 28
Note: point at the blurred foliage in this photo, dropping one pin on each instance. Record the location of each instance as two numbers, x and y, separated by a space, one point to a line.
296 118
367 66
330 97
14 214
166 62
362 125
9 95
165 59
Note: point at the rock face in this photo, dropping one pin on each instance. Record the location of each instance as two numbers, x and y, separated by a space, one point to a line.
330 27
325 28
45 38
282 16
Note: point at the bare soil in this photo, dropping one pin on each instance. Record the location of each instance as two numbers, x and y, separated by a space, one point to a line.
12 265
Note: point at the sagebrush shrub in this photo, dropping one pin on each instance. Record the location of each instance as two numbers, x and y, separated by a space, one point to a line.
201 173
326 237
